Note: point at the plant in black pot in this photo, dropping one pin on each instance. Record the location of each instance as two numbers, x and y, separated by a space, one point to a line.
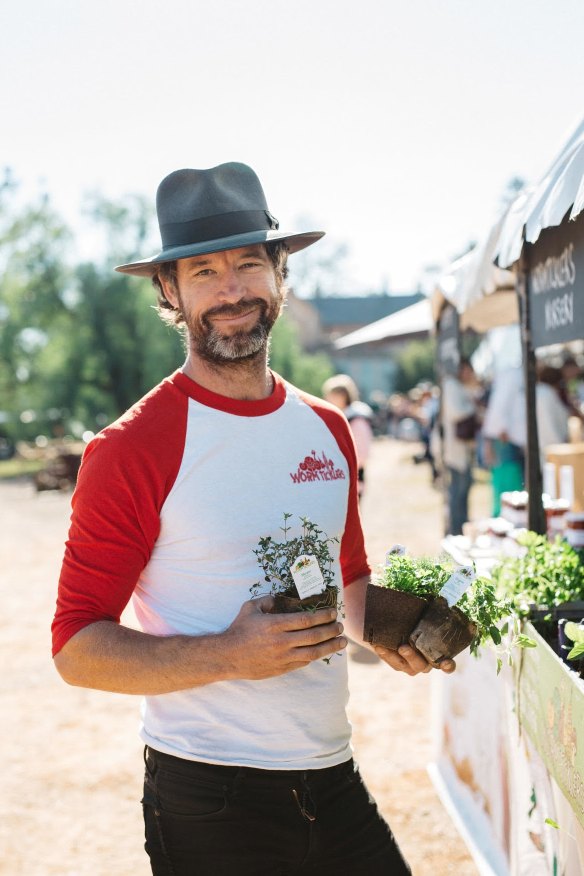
438 607
545 583
298 571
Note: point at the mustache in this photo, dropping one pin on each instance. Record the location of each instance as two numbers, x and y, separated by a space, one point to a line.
235 309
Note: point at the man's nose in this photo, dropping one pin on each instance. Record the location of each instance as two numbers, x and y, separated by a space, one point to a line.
232 287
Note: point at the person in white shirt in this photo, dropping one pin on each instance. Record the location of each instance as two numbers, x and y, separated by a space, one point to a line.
505 433
551 411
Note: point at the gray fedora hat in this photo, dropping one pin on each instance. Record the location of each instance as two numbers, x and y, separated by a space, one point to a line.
204 211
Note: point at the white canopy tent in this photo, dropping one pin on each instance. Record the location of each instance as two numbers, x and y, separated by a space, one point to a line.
546 204
483 294
409 322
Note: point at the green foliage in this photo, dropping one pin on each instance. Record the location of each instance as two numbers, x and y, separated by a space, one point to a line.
276 558
575 632
307 371
481 603
78 343
415 363
549 574
419 576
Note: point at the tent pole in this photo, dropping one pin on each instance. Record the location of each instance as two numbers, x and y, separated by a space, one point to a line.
536 520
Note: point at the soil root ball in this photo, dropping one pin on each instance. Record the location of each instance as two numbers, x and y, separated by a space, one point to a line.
442 631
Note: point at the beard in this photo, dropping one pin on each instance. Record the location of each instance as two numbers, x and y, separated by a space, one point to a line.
209 343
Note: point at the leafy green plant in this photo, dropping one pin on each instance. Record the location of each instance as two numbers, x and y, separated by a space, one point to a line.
547 575
276 558
575 633
491 613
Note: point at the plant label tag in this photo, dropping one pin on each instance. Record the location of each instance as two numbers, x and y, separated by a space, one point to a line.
307 575
398 550
458 582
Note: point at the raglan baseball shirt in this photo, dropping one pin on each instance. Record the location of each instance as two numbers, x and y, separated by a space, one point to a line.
170 503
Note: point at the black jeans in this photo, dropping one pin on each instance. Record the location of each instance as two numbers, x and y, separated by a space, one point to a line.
207 820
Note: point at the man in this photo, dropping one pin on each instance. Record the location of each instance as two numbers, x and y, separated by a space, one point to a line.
248 760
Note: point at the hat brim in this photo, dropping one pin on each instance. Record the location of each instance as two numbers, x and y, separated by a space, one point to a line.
147 267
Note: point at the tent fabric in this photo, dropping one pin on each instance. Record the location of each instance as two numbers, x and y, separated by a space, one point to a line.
547 203
482 293
413 320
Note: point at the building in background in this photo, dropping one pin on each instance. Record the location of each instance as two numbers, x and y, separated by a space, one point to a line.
323 323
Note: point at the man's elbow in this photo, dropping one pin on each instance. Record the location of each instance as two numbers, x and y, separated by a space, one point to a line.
73 659
68 667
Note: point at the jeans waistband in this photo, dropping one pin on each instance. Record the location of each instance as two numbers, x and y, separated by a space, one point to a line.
252 775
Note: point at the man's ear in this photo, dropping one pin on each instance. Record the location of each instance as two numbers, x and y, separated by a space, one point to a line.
170 292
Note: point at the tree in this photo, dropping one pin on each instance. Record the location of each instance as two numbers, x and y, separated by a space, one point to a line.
415 363
120 348
33 283
307 371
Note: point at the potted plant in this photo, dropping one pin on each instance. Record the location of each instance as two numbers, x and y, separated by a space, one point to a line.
572 654
410 602
545 583
286 563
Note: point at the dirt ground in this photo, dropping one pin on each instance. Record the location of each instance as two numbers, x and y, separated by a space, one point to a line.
72 758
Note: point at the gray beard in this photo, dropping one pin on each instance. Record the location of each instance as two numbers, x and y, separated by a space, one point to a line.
214 347
209 344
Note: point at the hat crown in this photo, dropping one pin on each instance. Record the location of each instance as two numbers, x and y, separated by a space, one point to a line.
219 208
188 194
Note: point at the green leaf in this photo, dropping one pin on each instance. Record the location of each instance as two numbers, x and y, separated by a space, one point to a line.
552 823
577 651
499 665
574 632
495 635
525 642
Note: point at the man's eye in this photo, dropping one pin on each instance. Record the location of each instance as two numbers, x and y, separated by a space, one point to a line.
204 272
250 266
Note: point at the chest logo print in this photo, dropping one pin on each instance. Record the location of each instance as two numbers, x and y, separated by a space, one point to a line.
317 468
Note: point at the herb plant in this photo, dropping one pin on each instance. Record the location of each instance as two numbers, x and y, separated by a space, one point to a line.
481 603
549 574
276 558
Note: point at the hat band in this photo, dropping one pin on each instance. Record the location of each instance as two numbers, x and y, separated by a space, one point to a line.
215 227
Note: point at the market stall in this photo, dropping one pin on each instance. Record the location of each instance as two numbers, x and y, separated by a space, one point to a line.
509 758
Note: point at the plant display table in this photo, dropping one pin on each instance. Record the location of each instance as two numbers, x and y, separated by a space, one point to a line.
509 760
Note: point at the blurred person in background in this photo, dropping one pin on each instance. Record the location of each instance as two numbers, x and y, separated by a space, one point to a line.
505 433
341 390
552 413
428 411
459 407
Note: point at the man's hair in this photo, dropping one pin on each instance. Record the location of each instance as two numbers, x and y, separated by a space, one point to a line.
277 252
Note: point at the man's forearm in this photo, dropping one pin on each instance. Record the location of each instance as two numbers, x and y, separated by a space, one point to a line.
257 644
107 656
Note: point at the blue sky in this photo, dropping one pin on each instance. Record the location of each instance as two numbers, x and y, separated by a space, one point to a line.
394 126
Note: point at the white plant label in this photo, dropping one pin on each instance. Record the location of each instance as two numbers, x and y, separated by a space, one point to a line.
398 550
458 582
307 576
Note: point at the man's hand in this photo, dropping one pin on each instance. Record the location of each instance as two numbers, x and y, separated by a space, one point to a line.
262 645
409 660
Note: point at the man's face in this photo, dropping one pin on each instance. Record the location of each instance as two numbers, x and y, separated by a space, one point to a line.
229 300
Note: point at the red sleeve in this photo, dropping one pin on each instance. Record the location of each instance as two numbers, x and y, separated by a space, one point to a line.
354 563
126 474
